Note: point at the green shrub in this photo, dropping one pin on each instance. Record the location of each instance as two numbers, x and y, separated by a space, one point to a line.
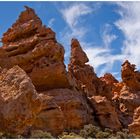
101 135
72 135
40 134
89 131
6 135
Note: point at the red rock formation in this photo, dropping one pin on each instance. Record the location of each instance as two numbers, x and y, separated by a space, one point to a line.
84 74
19 102
129 76
34 48
23 109
105 112
135 126
52 99
109 79
67 110
128 95
55 107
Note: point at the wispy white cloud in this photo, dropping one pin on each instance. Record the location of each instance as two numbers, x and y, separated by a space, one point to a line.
107 37
72 13
102 55
98 55
51 22
129 24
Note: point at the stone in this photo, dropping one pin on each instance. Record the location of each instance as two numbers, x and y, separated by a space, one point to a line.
109 79
129 76
38 93
134 127
19 102
84 75
105 112
127 93
67 110
34 48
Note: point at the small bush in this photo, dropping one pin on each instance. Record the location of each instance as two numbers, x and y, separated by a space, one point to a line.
66 135
6 135
89 131
39 134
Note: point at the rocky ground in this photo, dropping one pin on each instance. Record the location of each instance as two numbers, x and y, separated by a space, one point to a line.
37 93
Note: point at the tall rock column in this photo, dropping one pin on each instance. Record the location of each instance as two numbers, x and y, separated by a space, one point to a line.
35 49
84 74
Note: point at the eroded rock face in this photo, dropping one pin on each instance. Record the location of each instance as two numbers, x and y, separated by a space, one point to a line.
129 76
105 112
67 110
84 74
127 93
135 126
36 91
34 48
19 102
109 79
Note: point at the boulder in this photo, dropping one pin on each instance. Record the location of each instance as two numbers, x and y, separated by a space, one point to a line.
134 127
105 112
67 110
19 102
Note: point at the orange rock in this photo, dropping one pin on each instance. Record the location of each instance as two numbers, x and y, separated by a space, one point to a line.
135 126
67 110
19 102
129 76
84 74
109 79
105 112
34 48
126 93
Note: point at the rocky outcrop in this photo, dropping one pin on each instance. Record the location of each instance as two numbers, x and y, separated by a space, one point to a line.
130 77
135 126
105 112
19 102
94 87
23 109
36 91
34 48
66 110
84 74
46 99
127 93
109 79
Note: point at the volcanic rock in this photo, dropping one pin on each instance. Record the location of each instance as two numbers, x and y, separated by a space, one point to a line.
135 126
109 79
34 48
105 112
19 102
66 110
36 91
84 75
129 76
128 93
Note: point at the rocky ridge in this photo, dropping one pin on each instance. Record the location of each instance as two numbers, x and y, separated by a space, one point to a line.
38 93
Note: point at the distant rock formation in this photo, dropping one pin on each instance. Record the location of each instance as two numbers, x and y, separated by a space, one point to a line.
37 92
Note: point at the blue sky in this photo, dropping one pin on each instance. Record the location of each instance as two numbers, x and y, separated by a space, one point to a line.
109 32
